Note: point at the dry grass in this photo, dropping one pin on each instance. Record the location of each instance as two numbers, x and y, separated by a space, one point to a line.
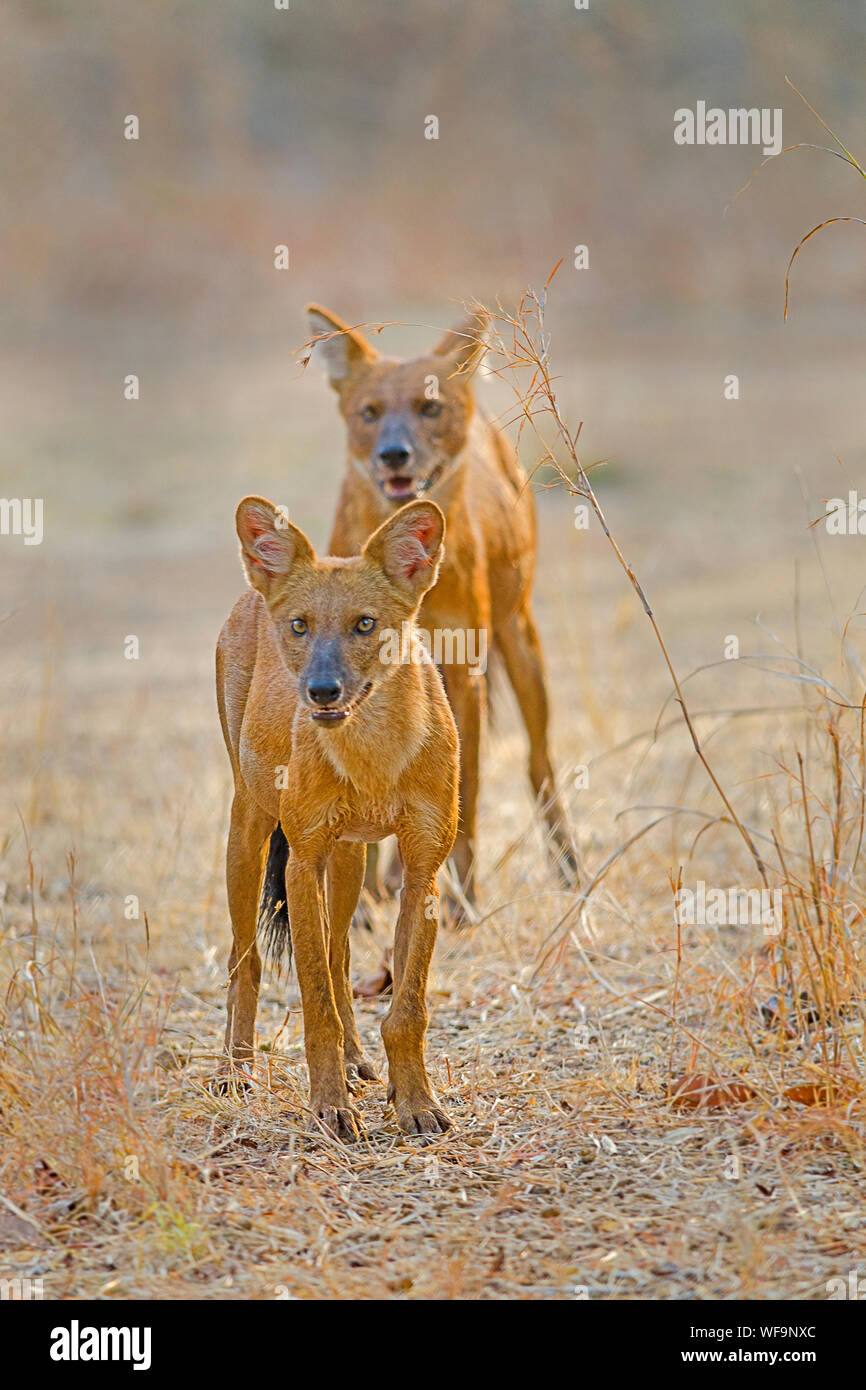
560 1025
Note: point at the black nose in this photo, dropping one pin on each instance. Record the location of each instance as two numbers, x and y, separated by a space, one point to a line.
395 457
325 692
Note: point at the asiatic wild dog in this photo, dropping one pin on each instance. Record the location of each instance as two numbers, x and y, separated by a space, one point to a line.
414 430
339 749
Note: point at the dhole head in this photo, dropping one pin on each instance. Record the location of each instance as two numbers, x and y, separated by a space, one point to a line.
329 613
407 421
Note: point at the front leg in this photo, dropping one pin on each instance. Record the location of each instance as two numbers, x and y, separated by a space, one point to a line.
345 876
323 1030
404 1027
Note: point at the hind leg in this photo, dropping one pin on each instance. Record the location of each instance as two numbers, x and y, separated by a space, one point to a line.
468 699
521 650
363 917
345 875
249 832
383 876
371 873
393 872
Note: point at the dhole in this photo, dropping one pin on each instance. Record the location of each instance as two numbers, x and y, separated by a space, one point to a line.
361 750
405 442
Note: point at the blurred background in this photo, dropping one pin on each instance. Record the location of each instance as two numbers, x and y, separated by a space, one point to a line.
306 126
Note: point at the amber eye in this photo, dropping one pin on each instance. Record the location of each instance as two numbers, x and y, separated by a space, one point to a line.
365 624
431 409
370 413
298 626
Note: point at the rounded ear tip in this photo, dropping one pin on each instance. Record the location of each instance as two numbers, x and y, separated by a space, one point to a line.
320 318
252 501
434 512
252 504
423 505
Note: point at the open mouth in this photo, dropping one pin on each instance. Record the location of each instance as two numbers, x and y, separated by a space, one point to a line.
336 716
400 487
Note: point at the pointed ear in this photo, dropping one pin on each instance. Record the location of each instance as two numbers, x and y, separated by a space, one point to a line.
342 349
464 343
408 547
270 545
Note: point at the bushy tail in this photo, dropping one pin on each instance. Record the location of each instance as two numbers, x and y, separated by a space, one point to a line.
273 925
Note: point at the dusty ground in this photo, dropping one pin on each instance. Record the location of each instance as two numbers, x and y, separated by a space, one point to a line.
554 1038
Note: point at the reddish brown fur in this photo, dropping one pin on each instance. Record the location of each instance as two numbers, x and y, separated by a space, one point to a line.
388 766
461 461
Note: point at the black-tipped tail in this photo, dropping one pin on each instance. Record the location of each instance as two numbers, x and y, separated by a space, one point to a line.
273 925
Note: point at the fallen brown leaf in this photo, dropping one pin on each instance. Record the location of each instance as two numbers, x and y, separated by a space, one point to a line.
702 1092
820 1093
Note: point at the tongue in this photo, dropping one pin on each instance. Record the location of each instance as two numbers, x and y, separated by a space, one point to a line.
400 487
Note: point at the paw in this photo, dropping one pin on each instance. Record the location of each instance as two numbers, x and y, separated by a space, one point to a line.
421 1114
341 1121
233 1081
359 1069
